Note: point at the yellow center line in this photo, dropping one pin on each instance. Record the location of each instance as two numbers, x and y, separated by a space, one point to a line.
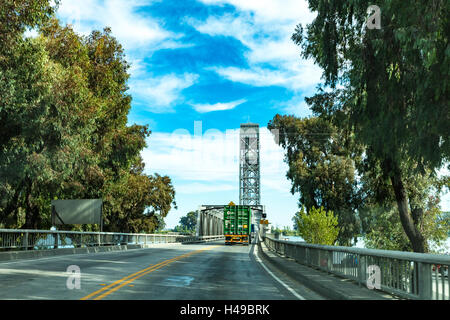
136 277
130 278
156 267
113 284
121 280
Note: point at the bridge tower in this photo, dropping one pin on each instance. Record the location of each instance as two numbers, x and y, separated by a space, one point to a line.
249 165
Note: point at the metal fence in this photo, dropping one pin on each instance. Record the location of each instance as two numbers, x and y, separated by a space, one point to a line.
49 239
405 274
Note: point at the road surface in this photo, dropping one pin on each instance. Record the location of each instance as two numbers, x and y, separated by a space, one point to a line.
203 271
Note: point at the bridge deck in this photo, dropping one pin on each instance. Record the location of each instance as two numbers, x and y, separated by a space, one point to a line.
208 270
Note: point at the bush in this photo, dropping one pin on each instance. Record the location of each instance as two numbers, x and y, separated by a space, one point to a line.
317 226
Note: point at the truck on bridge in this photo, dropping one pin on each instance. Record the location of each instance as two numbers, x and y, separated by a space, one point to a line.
237 221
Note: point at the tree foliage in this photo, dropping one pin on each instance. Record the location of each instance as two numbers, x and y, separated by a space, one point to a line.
381 225
317 226
63 125
189 221
321 168
386 231
394 93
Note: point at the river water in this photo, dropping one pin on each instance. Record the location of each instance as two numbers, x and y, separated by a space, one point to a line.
360 243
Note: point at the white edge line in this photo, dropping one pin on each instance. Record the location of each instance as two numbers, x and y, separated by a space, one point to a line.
276 278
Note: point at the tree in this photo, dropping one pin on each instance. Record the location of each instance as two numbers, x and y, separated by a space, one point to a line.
275 231
43 131
394 90
63 126
444 219
321 168
386 231
138 203
189 221
318 226
288 232
15 18
381 225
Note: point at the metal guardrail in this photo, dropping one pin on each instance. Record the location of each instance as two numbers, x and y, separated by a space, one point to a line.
51 239
406 274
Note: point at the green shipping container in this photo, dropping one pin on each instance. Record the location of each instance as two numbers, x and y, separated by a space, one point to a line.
237 224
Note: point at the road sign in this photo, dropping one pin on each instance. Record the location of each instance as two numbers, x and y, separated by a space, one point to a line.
84 211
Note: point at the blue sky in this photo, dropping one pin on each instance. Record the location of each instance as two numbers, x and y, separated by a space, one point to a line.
200 68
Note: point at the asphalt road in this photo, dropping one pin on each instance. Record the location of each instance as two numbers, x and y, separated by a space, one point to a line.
206 271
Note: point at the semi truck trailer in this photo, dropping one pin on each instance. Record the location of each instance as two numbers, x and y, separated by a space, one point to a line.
237 224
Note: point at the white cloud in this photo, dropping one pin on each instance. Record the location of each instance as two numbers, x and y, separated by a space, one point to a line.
296 106
256 76
197 160
296 78
161 93
266 42
204 169
132 29
139 33
203 188
270 10
265 28
203 108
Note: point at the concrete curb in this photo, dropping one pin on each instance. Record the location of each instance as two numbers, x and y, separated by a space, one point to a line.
36 254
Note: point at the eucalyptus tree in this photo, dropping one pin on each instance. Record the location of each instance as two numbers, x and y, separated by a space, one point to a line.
64 106
393 86
321 160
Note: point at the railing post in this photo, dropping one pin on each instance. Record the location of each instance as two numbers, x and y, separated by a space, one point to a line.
25 240
425 281
329 261
295 254
361 269
56 240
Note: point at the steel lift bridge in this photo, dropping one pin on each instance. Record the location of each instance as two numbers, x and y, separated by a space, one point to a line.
210 217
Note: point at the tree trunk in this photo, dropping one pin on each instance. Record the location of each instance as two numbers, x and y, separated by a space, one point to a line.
11 207
415 237
32 218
